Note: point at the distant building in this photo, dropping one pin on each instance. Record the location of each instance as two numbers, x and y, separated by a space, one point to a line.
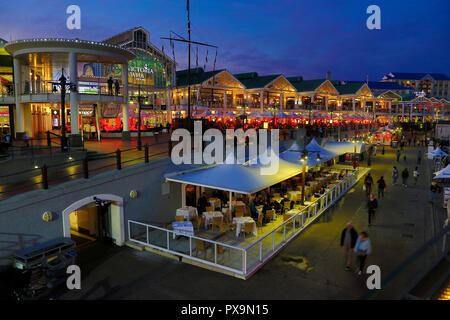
442 130
433 84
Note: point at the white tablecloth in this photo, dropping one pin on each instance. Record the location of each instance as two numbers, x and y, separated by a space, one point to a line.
187 212
291 194
208 215
239 221
214 202
183 227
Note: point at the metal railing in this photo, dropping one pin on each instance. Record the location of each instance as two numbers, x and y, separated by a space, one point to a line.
42 176
241 261
46 87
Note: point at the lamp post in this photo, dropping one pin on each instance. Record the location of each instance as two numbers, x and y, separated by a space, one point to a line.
63 84
303 160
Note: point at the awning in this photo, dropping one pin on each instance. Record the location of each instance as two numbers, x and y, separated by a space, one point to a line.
238 178
443 174
343 147
438 152
294 154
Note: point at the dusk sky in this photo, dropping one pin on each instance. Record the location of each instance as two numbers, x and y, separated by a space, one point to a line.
297 37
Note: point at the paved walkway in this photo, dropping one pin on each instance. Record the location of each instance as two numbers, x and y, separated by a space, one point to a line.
310 267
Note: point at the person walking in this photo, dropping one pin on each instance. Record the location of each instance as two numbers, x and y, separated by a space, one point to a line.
368 182
381 187
434 189
419 157
110 86
398 155
372 204
117 87
348 241
394 175
416 175
363 249
404 157
405 176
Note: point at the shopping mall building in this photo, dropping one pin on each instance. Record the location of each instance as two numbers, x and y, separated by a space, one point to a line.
109 76
30 99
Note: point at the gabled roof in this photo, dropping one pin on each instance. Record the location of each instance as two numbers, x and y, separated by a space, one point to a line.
305 85
414 76
380 93
350 87
251 80
198 76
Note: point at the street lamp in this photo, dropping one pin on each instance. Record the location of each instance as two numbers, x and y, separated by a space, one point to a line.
63 84
303 160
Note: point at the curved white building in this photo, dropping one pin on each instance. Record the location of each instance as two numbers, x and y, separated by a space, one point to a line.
38 63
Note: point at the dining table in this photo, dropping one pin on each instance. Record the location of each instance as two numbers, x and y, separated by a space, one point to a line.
214 202
209 215
187 212
182 228
240 221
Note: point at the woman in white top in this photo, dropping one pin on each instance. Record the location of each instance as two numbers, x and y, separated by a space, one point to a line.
416 175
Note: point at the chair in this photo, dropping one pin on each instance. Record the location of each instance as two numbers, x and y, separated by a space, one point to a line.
216 221
260 220
224 227
269 214
239 211
179 218
209 209
200 246
248 228
200 222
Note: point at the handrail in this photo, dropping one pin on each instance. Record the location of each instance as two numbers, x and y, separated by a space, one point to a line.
187 235
299 213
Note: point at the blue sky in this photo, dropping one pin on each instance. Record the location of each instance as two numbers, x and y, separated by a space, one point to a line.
296 37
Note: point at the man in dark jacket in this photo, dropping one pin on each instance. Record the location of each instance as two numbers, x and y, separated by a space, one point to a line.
372 204
202 204
348 241
368 182
381 187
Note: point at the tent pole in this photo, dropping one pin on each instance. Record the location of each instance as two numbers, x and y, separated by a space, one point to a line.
231 203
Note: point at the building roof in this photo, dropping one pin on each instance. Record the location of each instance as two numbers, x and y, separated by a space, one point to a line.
198 76
414 76
348 87
251 80
305 85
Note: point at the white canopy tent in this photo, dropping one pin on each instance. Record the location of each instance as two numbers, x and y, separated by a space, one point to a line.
245 179
294 154
438 152
443 174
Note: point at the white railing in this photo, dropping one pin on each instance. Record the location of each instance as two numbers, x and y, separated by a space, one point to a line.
243 262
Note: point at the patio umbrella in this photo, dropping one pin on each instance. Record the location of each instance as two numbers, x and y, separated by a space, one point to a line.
230 114
438 152
255 114
443 174
218 113
267 114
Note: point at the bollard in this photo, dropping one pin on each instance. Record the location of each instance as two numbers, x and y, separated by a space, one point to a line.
118 161
44 177
170 147
49 140
85 168
146 152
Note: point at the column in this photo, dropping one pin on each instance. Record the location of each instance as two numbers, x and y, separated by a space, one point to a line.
225 99
261 101
198 97
281 101
20 117
363 102
169 105
125 120
354 105
326 103
75 136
